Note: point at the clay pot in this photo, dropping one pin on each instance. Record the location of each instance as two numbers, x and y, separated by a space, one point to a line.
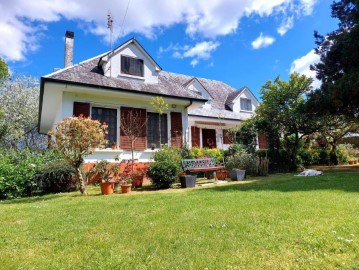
126 188
106 188
221 175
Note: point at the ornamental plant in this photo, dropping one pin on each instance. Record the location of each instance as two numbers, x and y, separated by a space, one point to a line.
75 138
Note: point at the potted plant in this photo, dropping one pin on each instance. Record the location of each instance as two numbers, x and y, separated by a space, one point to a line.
104 172
221 174
137 178
115 170
126 183
235 166
113 145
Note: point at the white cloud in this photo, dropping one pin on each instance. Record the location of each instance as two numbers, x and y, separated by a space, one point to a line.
302 66
22 21
307 6
200 51
286 25
194 62
262 41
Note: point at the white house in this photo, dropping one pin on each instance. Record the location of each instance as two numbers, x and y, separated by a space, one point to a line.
106 86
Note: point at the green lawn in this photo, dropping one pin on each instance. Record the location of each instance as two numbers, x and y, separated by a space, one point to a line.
278 222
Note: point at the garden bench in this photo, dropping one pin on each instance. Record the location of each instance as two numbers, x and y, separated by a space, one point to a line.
201 165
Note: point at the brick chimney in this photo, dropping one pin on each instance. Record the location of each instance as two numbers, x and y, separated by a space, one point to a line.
69 48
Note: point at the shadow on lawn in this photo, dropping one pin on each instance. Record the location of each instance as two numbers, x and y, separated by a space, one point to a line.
348 182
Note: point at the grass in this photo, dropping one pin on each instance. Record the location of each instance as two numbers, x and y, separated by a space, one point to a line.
278 222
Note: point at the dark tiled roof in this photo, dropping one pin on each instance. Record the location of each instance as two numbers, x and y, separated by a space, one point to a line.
217 90
88 73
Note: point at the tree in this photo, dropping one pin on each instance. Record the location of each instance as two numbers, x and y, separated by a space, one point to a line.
75 138
132 124
282 114
333 129
4 70
3 126
19 98
338 68
248 134
159 104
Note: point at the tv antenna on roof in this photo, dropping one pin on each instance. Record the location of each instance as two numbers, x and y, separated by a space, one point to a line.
110 26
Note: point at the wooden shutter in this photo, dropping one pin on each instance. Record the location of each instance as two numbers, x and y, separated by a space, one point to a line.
226 138
140 143
176 129
262 141
81 108
195 136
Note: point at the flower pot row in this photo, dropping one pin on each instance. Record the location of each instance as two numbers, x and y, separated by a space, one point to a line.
353 162
109 187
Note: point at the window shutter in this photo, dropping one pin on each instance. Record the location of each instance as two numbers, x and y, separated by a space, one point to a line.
140 142
176 129
195 136
226 138
262 141
81 108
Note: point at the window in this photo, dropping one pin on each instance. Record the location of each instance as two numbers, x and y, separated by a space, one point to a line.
131 66
153 129
246 104
108 116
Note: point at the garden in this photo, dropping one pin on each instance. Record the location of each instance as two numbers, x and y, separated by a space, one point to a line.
278 221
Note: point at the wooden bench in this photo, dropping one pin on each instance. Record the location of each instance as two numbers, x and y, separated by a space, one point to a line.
201 165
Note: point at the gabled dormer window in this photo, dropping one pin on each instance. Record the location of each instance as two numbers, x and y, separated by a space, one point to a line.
131 66
246 104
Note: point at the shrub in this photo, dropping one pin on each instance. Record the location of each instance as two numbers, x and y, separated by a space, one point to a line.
17 170
242 161
168 153
195 152
235 149
163 173
57 176
215 153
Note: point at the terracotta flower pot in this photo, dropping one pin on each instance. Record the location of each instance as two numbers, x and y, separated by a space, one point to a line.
221 175
106 188
351 162
126 188
137 180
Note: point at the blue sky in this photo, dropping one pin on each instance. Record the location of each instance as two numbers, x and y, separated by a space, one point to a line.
240 42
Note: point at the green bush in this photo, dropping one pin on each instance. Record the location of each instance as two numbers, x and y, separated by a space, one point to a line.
163 173
242 161
56 176
215 153
168 153
17 171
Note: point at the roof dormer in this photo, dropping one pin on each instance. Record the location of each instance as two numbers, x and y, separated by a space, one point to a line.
197 87
242 101
130 61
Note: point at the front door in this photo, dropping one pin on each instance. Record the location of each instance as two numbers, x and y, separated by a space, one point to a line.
209 138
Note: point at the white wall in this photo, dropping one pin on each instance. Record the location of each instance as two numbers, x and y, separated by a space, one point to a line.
150 73
237 104
116 102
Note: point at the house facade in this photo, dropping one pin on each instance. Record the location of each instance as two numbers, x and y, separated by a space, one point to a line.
109 86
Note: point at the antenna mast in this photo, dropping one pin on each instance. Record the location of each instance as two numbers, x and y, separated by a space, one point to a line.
109 26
